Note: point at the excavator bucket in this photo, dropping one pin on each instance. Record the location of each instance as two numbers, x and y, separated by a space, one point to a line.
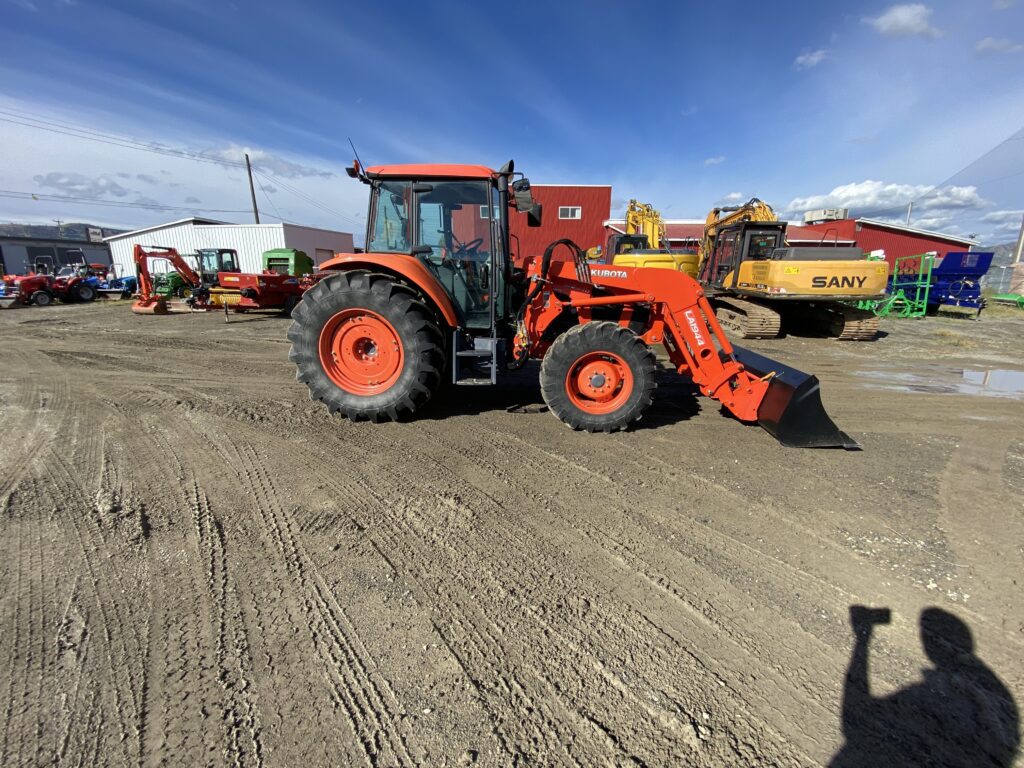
791 410
155 305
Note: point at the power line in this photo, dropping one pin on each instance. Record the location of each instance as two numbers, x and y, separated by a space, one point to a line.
40 196
67 129
1017 135
265 195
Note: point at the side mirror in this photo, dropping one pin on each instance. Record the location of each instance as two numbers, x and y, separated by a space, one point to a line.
534 215
525 202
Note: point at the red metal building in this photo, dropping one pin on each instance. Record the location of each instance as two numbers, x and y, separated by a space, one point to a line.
577 212
894 239
866 234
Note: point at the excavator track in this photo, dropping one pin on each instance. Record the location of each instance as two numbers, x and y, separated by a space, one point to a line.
749 319
848 323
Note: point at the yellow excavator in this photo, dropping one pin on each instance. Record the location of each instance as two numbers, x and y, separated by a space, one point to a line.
644 244
755 281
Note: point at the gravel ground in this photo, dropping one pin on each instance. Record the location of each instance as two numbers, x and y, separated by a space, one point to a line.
201 567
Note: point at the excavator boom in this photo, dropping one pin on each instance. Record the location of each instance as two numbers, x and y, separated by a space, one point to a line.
147 302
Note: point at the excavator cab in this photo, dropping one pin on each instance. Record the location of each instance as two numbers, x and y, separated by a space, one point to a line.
746 241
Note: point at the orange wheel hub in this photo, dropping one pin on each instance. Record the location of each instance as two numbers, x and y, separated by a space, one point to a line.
361 352
599 382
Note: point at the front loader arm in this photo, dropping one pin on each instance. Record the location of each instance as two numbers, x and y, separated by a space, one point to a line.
785 401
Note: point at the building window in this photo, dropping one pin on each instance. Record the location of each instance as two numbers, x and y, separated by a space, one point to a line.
483 211
570 212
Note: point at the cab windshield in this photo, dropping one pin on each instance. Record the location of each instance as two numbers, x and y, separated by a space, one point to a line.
389 227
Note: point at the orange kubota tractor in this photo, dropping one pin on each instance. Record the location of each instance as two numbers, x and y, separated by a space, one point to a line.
435 297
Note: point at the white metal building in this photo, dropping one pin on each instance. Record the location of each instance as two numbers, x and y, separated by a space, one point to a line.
250 240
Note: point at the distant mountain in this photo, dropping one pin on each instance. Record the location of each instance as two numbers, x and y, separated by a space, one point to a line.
69 231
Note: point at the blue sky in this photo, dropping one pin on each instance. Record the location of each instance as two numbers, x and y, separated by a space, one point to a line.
868 105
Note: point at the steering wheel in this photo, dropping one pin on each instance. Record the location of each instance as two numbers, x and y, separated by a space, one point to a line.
470 246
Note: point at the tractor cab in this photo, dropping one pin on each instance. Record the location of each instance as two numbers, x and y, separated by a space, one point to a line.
210 261
454 220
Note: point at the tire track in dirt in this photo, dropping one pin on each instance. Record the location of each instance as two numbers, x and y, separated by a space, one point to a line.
13 624
508 651
369 703
232 650
715 621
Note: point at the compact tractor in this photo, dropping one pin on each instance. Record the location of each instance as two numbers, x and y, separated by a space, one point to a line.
71 284
435 298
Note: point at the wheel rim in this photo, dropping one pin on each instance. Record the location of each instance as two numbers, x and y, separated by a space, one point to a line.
599 382
361 352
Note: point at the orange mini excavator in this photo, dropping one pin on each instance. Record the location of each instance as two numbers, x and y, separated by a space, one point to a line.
147 302
435 297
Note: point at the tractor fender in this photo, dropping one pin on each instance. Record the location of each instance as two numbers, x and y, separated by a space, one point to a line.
407 268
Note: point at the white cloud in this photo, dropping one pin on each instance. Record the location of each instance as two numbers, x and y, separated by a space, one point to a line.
274 164
871 198
998 45
79 185
716 160
810 59
146 178
27 5
1005 221
732 197
1002 5
909 20
192 200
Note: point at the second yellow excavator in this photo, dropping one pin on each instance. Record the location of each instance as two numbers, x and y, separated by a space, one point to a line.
756 283
644 243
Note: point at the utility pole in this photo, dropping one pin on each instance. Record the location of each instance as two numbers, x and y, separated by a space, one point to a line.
1020 243
252 189
60 229
1017 267
910 208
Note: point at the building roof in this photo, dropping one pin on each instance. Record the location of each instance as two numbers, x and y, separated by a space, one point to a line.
439 170
915 231
58 240
192 220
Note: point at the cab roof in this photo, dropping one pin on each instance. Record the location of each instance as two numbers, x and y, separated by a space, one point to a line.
436 170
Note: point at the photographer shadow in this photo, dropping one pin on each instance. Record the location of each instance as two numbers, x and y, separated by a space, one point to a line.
959 714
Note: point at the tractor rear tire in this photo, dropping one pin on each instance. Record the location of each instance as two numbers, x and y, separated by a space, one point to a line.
42 298
84 292
598 376
366 346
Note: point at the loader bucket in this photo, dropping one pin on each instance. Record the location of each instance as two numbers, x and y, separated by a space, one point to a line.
155 305
791 410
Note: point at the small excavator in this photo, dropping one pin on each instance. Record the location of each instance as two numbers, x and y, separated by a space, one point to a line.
436 298
209 289
642 244
756 283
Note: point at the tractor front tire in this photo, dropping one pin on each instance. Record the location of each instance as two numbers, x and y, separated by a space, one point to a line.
598 376
42 298
366 346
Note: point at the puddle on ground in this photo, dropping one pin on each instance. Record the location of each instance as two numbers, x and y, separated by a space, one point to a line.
997 382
